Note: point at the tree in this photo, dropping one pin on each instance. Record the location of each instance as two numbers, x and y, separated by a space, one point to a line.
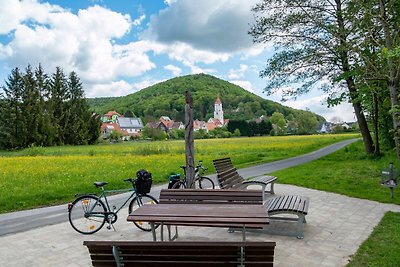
46 128
129 114
315 45
57 104
379 48
41 111
11 123
279 123
78 114
32 109
307 123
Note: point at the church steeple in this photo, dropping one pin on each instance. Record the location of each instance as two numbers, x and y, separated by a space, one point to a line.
218 113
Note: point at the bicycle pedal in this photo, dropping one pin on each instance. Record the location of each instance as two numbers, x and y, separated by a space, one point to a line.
109 227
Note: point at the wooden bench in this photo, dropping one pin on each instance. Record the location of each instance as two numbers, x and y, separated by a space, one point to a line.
292 205
286 204
229 178
137 253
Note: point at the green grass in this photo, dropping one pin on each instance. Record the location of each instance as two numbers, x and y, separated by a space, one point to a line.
39 176
348 171
382 248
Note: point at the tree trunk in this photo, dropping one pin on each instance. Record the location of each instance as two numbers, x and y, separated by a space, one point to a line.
189 140
362 122
375 117
394 78
344 61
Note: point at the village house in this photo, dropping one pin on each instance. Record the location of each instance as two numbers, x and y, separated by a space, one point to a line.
165 123
128 127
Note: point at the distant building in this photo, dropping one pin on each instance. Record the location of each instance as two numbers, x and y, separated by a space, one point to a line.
166 124
218 112
131 125
115 122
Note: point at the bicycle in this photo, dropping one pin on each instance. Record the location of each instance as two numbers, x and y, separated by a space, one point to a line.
199 181
88 213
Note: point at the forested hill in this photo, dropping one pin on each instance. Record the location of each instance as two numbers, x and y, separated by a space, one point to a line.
167 98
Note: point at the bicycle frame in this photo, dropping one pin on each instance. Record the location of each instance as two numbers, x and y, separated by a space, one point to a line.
198 173
104 196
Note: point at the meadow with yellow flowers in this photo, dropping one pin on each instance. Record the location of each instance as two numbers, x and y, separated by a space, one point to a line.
40 176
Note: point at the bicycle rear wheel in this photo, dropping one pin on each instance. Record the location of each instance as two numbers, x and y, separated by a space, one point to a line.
87 214
137 202
205 183
179 185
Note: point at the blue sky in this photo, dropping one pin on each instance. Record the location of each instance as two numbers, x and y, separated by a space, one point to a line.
118 47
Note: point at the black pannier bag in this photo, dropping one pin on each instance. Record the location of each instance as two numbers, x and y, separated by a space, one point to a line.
173 179
143 182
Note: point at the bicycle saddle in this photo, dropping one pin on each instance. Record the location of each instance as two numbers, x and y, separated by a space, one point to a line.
100 184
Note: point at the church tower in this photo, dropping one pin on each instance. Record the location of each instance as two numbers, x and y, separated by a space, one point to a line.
218 113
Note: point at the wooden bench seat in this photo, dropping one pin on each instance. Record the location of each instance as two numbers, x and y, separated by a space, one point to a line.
292 205
229 178
138 253
286 204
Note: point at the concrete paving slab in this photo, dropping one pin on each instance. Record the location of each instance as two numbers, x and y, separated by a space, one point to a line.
336 226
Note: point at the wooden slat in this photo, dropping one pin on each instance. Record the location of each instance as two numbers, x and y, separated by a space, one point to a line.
136 253
291 204
228 176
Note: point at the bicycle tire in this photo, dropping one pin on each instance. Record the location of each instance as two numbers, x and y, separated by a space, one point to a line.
206 183
86 218
179 185
143 200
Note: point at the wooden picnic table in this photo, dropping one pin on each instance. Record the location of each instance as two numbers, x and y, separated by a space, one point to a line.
222 215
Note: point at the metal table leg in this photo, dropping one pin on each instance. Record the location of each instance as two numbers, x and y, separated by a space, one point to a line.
153 231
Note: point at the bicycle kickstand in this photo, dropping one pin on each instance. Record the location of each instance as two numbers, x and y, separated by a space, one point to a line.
110 224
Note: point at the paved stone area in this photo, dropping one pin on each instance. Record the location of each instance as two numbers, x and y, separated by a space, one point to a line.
336 226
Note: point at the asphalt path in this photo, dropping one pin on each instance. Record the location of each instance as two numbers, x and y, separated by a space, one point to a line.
21 221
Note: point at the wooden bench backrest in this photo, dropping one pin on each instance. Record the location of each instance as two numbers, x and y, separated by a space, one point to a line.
227 174
137 253
229 179
222 165
210 196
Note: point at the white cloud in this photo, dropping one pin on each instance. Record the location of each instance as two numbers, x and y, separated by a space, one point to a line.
169 2
188 55
205 25
139 20
318 105
13 12
82 42
118 88
176 71
244 84
146 82
238 73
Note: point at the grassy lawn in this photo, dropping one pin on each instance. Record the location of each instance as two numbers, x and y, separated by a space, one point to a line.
382 248
348 171
45 176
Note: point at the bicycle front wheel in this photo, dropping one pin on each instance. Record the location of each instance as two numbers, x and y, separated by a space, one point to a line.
137 202
87 214
179 185
205 183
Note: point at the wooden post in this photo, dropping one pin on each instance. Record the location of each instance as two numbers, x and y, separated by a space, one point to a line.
189 139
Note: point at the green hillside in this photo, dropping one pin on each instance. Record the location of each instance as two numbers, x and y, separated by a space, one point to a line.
167 98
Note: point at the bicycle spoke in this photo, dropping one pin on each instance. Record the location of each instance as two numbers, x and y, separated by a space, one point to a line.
87 214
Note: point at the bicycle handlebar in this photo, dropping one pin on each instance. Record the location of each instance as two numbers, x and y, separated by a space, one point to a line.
199 165
132 180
